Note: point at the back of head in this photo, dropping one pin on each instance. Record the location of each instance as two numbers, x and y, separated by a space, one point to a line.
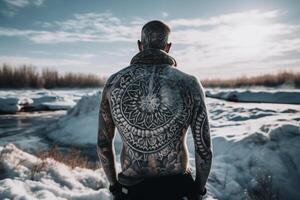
155 35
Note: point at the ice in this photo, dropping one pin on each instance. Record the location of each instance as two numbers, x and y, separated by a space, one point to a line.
52 102
13 101
13 104
60 105
256 95
24 176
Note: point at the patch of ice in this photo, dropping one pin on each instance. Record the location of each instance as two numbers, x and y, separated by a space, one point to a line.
259 96
13 101
51 102
13 104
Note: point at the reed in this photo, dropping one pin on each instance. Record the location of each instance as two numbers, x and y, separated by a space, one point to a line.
267 80
27 76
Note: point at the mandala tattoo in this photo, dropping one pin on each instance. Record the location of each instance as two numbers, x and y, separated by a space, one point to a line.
148 109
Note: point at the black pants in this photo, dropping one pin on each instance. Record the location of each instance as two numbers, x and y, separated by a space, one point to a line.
175 187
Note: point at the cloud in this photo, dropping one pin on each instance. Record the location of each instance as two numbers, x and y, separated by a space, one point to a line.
231 18
236 41
43 62
89 27
232 41
81 63
12 6
165 14
16 3
23 3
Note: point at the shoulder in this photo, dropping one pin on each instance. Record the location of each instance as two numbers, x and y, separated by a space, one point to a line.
113 77
192 81
111 80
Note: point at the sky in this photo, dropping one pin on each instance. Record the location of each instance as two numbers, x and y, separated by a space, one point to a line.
210 39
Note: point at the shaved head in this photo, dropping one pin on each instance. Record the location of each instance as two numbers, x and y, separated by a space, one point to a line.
155 35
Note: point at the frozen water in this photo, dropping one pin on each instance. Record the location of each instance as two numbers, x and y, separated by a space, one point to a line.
13 101
256 95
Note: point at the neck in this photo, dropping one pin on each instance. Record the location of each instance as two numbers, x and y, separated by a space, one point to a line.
153 57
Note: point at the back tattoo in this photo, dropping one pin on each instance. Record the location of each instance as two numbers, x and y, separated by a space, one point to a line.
152 106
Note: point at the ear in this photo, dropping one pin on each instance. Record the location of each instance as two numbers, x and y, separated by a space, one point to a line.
168 46
140 45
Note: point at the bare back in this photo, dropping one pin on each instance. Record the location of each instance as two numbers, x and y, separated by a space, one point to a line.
152 104
151 107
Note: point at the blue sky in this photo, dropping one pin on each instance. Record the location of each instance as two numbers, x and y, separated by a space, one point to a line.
211 39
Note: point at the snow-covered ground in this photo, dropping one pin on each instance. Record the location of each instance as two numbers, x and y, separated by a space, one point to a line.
13 101
79 126
258 95
24 176
249 140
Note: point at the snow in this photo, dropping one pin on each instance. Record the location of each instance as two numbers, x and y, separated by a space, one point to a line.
249 139
273 151
79 126
256 95
51 179
13 101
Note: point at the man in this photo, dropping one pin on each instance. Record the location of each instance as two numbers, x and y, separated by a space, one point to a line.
152 104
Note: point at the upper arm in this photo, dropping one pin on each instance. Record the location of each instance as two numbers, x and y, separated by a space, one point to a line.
106 126
200 123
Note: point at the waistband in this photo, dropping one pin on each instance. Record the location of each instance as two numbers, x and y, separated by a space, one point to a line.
130 181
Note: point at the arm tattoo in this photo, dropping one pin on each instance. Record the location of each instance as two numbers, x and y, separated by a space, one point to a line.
106 131
201 134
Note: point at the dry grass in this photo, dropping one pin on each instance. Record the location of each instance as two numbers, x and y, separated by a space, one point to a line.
29 77
36 168
264 189
268 80
73 158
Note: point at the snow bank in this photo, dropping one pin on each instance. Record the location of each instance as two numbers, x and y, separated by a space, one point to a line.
266 96
13 101
79 126
271 151
26 177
